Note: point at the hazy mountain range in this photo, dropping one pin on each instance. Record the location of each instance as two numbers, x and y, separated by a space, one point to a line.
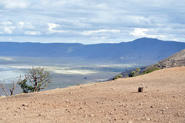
142 51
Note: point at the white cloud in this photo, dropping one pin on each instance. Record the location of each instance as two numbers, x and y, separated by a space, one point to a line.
13 4
25 25
21 24
52 28
32 33
92 32
8 30
5 23
143 32
139 32
87 21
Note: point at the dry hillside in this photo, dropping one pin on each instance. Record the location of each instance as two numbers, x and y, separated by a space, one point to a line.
116 101
178 59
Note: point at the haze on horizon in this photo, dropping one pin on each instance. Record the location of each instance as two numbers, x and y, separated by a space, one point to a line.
91 21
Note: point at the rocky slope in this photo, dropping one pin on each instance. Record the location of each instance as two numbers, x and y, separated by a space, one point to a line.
178 59
116 101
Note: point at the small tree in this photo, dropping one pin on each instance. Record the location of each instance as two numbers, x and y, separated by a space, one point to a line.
135 73
11 89
138 70
35 80
132 74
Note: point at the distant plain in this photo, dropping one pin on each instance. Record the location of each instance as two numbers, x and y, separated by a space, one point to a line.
64 71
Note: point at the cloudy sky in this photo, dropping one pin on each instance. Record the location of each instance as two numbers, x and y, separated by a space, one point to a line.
91 21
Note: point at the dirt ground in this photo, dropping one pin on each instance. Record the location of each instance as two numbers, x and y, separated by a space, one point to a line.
163 101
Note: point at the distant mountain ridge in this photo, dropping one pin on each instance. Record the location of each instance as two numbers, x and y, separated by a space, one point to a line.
141 51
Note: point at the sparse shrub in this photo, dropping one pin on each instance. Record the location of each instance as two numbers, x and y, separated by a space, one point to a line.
132 74
138 70
35 80
135 73
11 89
149 70
117 76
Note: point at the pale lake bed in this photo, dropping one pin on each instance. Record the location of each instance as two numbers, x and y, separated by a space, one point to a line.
64 72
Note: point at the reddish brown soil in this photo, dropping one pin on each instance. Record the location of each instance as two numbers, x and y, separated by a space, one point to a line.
163 101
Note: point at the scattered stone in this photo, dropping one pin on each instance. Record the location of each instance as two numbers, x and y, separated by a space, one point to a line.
24 104
110 113
140 89
115 119
148 119
40 114
67 101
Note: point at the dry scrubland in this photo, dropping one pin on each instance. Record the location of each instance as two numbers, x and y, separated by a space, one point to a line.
162 101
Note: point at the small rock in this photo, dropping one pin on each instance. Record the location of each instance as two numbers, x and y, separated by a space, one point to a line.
70 92
91 115
148 119
140 89
110 113
24 104
40 114
151 106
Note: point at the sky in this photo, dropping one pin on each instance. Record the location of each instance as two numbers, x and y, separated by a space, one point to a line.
91 21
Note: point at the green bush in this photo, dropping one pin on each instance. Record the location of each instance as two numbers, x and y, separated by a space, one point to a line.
151 69
135 73
132 74
117 76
